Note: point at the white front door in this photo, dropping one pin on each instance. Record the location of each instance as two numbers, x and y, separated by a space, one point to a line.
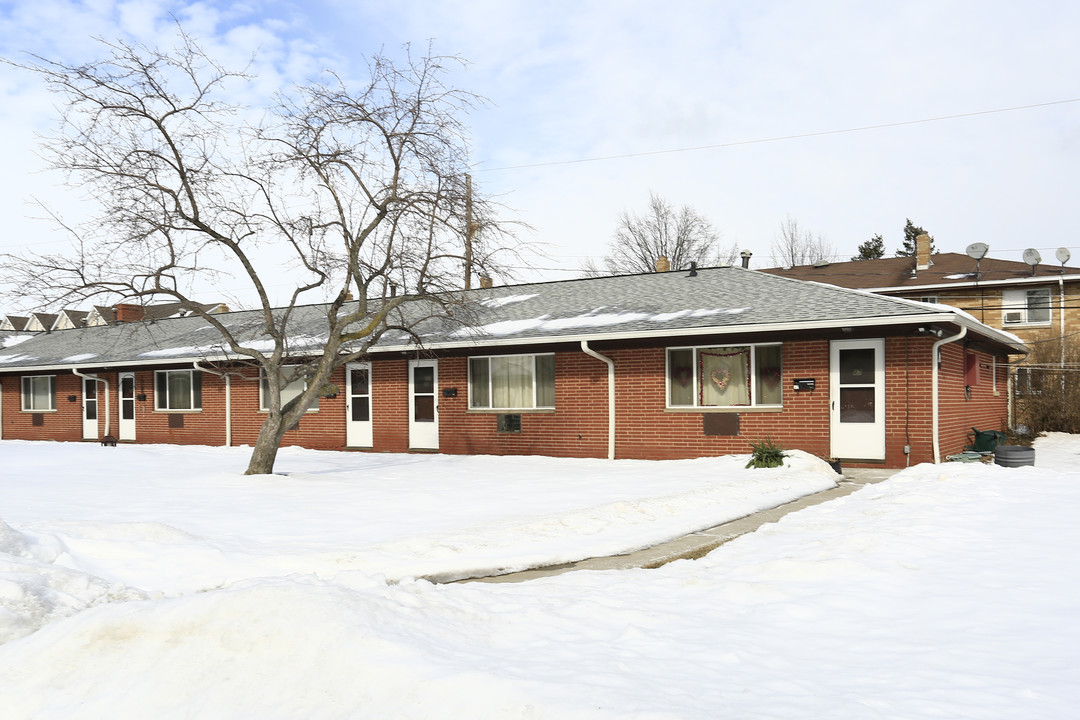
127 406
423 405
358 424
90 409
857 399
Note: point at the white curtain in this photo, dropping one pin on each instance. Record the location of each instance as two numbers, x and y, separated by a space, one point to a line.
724 376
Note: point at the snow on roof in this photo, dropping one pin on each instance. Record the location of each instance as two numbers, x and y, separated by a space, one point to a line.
713 302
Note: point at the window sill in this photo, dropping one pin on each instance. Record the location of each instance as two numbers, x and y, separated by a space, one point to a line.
736 409
177 412
39 411
1021 326
306 412
511 411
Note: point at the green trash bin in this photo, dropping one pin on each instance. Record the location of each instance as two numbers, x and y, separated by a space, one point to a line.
987 440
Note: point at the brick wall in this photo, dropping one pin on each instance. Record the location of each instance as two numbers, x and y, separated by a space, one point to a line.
578 427
63 424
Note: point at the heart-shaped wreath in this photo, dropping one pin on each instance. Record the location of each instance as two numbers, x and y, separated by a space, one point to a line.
720 379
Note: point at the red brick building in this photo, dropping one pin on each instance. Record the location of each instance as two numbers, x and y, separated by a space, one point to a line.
655 366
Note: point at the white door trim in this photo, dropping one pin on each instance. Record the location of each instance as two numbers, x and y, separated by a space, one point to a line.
358 432
90 406
424 407
126 425
857 417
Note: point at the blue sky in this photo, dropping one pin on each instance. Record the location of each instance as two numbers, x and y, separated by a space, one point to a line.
572 81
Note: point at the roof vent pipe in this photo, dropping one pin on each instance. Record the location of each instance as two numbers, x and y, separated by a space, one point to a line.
746 255
693 269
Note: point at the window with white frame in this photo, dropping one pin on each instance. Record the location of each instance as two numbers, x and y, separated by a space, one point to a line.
1026 307
177 390
725 376
512 382
933 299
291 387
39 393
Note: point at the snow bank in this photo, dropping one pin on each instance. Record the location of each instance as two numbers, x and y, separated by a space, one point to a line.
946 592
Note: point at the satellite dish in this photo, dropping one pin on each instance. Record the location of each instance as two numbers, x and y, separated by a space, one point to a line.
1063 255
977 251
1032 258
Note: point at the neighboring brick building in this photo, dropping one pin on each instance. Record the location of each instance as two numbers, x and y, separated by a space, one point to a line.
1032 302
1038 303
654 366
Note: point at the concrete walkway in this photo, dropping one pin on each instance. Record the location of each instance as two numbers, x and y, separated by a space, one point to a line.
695 545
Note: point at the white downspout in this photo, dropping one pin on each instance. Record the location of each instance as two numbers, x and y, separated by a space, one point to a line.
934 389
610 395
95 378
1061 296
228 400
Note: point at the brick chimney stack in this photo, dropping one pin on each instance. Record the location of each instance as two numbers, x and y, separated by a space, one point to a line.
662 264
485 282
922 252
126 312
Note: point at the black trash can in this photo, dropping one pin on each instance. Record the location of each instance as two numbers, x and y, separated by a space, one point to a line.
1014 456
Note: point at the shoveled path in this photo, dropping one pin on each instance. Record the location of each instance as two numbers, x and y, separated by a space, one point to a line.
701 543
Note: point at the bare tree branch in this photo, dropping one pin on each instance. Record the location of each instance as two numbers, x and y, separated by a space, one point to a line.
682 236
355 191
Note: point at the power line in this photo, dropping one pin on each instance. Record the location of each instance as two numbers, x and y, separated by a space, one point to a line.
778 138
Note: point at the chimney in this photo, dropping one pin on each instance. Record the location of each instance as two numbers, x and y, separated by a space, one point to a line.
485 282
126 312
662 264
746 255
922 252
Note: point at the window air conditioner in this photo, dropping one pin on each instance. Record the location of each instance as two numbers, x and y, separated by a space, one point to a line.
1014 316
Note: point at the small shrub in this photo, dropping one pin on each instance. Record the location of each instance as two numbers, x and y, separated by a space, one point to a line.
766 454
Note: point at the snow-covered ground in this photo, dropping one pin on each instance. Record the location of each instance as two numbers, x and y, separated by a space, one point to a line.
156 581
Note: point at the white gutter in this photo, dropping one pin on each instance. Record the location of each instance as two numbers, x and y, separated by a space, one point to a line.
228 400
610 395
95 378
934 390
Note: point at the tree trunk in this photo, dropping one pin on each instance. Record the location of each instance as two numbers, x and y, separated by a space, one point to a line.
266 446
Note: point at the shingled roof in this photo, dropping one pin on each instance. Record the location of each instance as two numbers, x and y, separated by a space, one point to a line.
714 302
899 273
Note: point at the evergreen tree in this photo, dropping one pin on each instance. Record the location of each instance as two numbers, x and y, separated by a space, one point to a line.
912 231
872 249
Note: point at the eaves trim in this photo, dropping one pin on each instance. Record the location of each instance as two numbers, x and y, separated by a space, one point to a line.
1037 280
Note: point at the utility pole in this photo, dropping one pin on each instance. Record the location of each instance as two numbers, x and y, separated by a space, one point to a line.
470 231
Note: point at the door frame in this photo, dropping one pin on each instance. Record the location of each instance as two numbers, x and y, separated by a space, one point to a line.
125 427
358 433
90 426
423 435
858 441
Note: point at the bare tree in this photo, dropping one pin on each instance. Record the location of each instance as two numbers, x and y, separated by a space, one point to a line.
682 236
358 193
795 246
